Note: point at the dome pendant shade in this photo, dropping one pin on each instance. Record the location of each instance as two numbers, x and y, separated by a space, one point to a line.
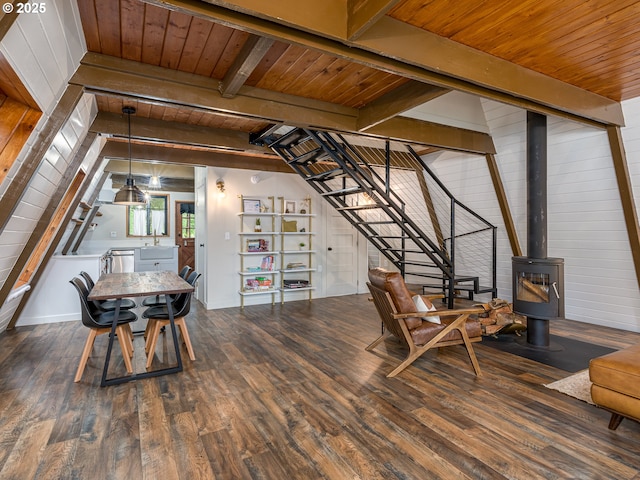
129 194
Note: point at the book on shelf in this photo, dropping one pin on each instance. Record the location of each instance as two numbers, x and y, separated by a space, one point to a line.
257 284
294 265
267 263
296 283
258 245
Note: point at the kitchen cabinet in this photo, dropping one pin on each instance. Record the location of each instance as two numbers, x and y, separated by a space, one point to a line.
156 259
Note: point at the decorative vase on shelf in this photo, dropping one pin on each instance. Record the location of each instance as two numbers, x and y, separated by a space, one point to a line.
258 227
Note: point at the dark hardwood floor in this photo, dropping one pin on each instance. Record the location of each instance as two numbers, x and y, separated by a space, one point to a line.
288 392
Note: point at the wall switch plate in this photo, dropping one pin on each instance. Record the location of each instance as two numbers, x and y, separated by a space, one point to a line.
227 236
113 234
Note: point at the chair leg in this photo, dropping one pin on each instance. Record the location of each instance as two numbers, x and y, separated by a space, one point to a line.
148 329
151 341
376 342
470 351
127 337
88 346
123 339
185 337
407 361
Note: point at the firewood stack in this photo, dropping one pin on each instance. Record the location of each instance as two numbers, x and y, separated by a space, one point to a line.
499 318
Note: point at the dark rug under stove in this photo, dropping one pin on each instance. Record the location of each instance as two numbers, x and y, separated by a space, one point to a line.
563 353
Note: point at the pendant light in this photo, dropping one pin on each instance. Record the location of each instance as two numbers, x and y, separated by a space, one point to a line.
129 194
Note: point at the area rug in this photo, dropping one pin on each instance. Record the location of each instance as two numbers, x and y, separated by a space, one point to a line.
576 386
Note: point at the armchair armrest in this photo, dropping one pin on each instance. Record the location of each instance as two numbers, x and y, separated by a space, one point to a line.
440 313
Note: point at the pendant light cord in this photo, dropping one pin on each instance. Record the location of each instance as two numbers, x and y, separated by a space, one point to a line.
129 116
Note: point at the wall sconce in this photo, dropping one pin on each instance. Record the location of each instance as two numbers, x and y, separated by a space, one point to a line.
220 187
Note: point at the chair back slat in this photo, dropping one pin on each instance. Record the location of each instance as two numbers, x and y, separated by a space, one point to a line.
386 310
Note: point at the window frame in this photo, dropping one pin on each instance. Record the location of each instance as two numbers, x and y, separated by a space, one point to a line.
167 223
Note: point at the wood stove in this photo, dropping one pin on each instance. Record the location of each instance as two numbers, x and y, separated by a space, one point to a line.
538 287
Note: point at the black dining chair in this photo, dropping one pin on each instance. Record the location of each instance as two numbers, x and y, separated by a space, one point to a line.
99 322
106 305
159 317
159 300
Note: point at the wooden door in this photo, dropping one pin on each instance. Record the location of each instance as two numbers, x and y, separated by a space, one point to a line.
185 233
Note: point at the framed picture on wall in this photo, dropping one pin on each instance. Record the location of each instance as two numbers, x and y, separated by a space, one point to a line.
250 205
289 206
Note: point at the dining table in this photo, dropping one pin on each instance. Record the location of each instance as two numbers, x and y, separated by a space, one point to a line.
138 284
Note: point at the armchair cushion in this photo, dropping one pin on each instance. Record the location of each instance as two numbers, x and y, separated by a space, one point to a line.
426 331
402 299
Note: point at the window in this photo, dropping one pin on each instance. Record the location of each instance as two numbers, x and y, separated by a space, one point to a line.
187 220
150 218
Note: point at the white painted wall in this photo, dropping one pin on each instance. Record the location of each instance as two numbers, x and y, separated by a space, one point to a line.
585 221
223 261
114 219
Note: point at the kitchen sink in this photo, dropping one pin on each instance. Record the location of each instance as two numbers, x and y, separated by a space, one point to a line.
156 253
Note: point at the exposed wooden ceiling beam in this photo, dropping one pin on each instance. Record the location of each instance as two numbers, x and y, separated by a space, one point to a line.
174 132
362 14
104 74
170 184
203 158
403 98
438 135
101 73
390 45
252 52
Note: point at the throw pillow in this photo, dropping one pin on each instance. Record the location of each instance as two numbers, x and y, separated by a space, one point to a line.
422 307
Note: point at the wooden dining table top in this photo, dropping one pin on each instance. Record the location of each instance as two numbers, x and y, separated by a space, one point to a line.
135 284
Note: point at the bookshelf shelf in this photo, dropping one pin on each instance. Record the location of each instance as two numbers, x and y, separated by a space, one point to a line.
296 247
257 250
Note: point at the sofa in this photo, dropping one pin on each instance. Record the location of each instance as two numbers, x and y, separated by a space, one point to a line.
615 385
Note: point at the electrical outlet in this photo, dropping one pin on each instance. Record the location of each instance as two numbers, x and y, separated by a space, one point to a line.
114 234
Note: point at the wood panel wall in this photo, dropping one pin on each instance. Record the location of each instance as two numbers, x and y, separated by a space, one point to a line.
19 115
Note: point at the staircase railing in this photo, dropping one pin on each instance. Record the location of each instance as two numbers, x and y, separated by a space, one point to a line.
388 193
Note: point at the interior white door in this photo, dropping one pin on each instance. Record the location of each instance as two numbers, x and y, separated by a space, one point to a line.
200 187
342 255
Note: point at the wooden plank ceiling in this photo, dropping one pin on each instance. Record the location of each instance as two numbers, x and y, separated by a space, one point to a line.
589 45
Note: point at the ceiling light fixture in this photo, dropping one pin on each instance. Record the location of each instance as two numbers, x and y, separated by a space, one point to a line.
154 182
129 194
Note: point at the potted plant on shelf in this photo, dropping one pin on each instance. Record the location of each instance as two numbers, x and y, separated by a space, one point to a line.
258 227
302 245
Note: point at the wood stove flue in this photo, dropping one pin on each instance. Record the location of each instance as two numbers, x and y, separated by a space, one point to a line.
538 281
